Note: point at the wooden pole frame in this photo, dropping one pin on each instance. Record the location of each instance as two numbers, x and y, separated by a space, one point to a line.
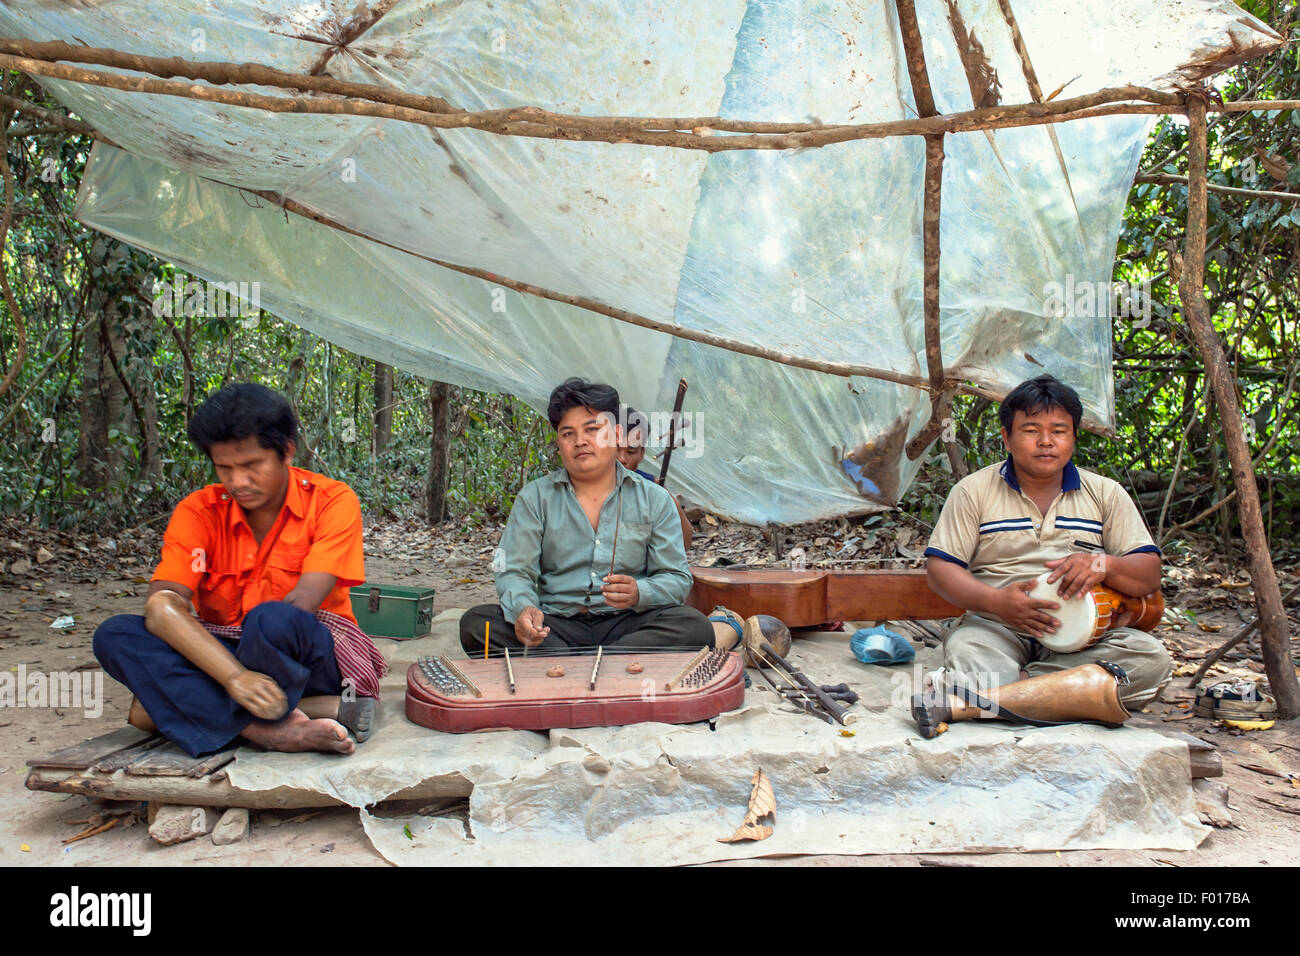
702 133
1275 639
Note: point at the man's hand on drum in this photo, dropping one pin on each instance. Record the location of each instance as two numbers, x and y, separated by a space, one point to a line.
530 627
1077 573
1026 614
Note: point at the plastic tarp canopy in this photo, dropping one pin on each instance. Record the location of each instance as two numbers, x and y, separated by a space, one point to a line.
813 252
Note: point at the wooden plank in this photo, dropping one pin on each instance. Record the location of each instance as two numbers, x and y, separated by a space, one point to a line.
89 752
123 757
216 790
168 761
211 763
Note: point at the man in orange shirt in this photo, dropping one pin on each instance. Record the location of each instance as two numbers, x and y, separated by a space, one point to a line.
266 559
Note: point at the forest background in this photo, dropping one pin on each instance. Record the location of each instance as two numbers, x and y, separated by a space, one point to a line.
99 380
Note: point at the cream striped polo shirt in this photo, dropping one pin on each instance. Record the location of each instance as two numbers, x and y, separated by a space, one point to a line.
992 528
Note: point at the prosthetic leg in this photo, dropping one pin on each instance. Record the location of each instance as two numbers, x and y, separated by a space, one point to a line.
729 630
1085 694
763 628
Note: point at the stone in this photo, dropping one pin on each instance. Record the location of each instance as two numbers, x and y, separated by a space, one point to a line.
21 566
1212 803
596 763
232 827
175 824
44 555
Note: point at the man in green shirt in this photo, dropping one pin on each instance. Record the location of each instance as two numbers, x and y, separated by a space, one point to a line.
591 554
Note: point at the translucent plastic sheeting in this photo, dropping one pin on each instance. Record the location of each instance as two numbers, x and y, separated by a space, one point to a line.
814 252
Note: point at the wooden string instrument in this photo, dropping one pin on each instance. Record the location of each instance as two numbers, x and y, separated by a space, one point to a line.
808 598
543 691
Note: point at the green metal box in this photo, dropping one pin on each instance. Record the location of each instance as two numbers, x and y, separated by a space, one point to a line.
387 610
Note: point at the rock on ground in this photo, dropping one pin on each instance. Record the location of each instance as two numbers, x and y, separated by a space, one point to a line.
175 824
232 827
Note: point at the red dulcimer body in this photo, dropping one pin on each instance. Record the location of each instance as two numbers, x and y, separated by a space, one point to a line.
615 688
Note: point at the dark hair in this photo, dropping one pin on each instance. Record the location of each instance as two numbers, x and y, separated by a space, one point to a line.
577 393
244 410
1039 395
633 420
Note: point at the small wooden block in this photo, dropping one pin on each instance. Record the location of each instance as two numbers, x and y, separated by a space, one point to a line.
89 752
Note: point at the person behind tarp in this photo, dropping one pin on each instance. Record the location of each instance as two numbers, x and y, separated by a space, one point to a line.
591 554
1000 528
266 557
631 452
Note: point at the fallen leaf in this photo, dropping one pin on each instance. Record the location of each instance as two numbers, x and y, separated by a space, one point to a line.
762 804
1268 771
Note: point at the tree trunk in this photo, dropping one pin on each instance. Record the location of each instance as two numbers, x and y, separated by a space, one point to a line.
137 366
439 448
103 399
1275 638
383 407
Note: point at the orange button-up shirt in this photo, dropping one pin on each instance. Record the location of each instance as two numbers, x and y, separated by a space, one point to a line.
209 548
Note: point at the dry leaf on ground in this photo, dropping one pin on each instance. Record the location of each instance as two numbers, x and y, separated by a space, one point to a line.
762 805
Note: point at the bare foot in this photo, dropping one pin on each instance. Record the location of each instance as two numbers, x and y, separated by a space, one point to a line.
298 732
358 715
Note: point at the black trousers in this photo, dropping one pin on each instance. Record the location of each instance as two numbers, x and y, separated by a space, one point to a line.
660 628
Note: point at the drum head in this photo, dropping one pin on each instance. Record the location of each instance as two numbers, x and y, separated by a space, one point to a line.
1078 617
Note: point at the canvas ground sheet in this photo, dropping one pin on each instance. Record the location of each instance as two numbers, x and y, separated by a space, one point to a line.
664 794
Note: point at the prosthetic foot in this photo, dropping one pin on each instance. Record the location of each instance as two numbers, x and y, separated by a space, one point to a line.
1085 694
761 629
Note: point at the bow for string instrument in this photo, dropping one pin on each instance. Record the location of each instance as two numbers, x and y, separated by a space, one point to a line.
672 431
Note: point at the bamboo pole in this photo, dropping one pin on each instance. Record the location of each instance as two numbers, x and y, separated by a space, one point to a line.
1275 640
931 206
538 123
844 369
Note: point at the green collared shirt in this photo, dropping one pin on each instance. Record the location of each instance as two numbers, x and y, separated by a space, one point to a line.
550 557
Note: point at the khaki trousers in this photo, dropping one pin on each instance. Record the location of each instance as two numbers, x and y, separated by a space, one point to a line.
982 653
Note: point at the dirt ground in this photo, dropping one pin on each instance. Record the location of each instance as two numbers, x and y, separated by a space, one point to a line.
93 577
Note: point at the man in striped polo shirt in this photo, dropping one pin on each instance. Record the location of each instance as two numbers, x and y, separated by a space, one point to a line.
1006 524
